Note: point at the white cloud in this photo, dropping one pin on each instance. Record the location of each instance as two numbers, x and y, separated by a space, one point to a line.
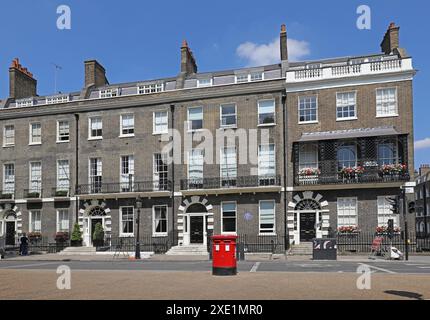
422 144
263 54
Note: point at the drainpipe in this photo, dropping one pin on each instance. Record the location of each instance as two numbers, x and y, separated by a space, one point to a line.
425 209
76 166
172 125
284 140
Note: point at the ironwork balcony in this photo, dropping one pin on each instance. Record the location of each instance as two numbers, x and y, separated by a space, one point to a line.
61 192
33 193
145 186
7 194
226 183
329 172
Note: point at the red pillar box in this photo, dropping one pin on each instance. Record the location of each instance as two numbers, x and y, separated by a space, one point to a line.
224 255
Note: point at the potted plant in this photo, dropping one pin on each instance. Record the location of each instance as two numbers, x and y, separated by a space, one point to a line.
351 172
61 193
309 172
34 236
393 169
348 230
383 230
61 237
34 194
98 235
6 195
76 240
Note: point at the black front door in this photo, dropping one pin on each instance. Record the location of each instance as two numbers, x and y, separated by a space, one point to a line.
10 233
196 229
307 226
93 226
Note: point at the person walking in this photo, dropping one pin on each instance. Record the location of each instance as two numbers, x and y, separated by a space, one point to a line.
23 247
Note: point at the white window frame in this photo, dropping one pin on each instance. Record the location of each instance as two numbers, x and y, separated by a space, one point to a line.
154 126
121 232
99 162
31 136
150 88
124 178
90 119
31 214
31 179
383 215
229 126
260 176
57 99
160 234
224 165
254 73
202 83
157 185
355 117
258 113
108 93
243 77
59 228
121 125
5 183
190 121
60 186
260 233
58 131
317 107
222 218
188 163
396 113
349 216
5 137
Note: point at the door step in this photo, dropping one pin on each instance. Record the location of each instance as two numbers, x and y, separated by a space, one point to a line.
302 249
79 251
190 250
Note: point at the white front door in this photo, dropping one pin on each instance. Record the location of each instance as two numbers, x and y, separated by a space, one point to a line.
89 224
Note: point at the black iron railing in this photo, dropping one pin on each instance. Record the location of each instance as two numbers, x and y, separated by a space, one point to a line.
331 172
147 243
257 243
237 182
145 186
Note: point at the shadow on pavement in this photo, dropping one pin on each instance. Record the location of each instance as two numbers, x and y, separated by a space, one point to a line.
406 294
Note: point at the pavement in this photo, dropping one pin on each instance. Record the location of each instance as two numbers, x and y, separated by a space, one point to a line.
158 278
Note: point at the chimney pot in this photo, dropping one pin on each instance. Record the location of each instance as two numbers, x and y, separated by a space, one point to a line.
391 39
21 81
188 62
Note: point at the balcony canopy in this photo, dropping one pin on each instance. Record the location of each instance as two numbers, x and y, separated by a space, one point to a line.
348 134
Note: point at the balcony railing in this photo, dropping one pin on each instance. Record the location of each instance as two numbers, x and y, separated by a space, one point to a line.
329 172
145 186
226 183
301 74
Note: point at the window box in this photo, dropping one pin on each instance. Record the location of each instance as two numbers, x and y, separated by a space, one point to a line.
351 172
34 194
309 172
6 196
383 230
61 193
348 230
393 169
34 237
61 237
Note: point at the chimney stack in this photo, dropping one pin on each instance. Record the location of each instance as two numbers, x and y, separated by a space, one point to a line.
188 62
391 39
21 81
424 169
283 43
95 74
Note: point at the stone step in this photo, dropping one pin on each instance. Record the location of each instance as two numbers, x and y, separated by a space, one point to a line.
187 250
78 251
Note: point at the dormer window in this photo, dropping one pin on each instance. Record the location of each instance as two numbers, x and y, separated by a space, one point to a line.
109 93
241 78
150 88
204 82
256 76
57 99
21 103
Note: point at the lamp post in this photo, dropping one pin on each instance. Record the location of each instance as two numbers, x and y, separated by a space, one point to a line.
138 206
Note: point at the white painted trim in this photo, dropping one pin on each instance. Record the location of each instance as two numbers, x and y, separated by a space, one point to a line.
259 217
153 122
222 217
220 116
121 135
258 113
160 234
121 234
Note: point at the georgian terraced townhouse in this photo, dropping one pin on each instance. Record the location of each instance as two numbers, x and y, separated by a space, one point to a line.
338 140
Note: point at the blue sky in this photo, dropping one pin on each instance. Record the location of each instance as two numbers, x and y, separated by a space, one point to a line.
137 40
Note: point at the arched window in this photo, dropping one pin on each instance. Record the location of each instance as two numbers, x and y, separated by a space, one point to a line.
347 156
307 204
387 153
97 211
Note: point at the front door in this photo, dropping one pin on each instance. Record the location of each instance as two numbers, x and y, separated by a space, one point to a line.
93 226
307 226
10 233
196 229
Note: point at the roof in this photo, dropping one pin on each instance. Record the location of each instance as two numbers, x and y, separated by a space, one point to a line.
346 134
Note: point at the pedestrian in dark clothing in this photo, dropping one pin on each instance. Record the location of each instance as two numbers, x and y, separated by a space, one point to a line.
23 247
